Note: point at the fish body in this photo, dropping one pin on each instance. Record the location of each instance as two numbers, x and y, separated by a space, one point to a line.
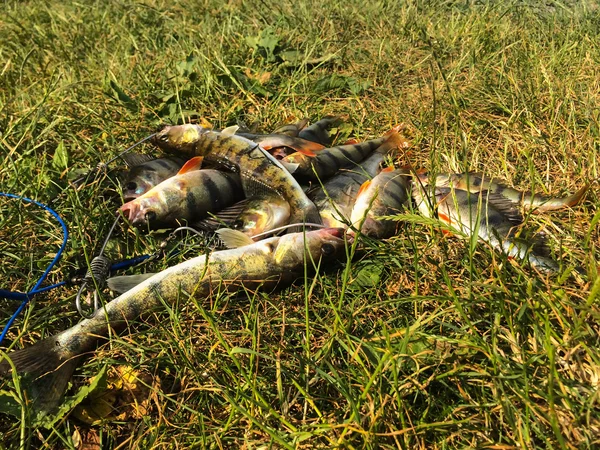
292 129
48 365
263 214
476 182
185 197
495 221
319 131
260 172
149 173
337 195
251 217
385 195
329 161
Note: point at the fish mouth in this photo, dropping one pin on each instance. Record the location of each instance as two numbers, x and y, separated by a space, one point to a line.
339 233
131 211
335 232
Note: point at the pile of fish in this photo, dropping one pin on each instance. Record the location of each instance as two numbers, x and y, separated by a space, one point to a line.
257 183
242 185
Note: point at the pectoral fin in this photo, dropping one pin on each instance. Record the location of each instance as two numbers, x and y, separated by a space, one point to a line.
193 164
224 218
233 238
126 282
363 188
291 167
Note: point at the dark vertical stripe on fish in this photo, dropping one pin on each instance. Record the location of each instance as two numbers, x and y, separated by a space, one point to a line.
365 150
192 205
346 154
214 196
399 200
333 161
309 135
164 163
232 185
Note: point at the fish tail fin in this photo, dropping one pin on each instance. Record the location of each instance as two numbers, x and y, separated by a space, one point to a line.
124 283
394 142
554 204
45 373
577 197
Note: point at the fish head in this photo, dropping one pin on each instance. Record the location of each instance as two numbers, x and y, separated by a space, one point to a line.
142 211
263 215
178 138
327 244
138 184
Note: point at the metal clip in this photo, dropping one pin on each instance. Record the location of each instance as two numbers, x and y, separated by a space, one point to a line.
95 278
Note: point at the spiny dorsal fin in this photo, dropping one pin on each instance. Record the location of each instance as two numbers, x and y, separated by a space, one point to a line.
193 164
234 238
230 131
126 282
224 218
507 207
136 159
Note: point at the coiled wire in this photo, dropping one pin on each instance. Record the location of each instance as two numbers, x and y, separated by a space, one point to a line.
96 276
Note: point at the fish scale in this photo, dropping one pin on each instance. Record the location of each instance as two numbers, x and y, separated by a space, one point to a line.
185 197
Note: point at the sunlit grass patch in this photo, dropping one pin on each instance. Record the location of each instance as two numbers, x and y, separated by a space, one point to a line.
422 341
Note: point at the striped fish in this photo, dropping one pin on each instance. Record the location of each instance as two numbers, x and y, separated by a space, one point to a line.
329 161
146 172
336 198
477 182
292 129
188 196
319 131
260 173
47 366
494 219
385 195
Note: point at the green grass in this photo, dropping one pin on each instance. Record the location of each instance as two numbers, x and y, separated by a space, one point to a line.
421 342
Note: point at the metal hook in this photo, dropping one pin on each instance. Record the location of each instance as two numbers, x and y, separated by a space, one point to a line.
78 302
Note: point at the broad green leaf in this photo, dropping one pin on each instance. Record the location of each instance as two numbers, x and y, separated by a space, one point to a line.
61 157
49 420
124 99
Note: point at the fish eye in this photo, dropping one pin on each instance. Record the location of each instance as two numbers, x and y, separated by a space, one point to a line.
131 186
328 249
150 216
163 138
237 224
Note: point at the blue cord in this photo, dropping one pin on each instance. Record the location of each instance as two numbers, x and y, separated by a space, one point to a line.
25 297
36 289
